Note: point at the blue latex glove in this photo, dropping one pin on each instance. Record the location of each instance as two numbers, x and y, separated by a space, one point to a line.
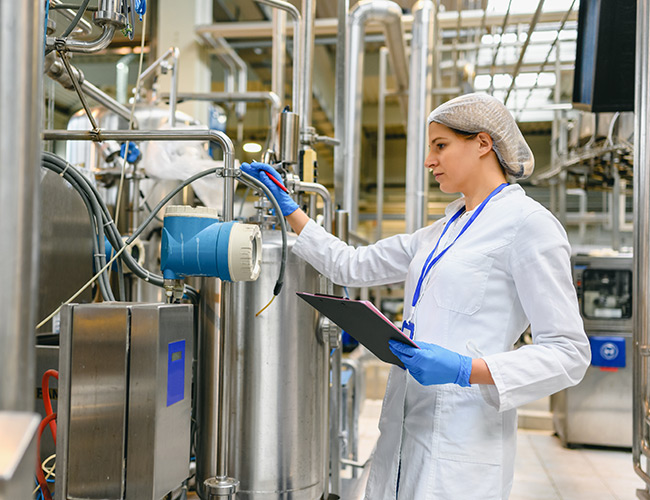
261 172
432 364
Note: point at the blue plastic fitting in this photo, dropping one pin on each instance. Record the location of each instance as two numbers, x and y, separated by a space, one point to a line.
195 246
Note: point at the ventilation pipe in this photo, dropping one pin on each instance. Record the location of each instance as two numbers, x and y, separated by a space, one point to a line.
420 91
389 14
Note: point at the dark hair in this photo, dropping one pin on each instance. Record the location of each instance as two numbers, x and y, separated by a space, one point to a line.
466 135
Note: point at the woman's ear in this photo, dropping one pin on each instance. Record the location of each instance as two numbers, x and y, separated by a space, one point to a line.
484 143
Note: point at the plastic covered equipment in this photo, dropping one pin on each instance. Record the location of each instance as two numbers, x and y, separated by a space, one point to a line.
475 113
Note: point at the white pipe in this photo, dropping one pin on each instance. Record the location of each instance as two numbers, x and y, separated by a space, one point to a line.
421 83
278 55
390 15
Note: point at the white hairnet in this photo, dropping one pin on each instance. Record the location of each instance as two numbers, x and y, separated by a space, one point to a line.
475 113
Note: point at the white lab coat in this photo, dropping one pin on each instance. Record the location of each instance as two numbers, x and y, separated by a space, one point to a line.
509 269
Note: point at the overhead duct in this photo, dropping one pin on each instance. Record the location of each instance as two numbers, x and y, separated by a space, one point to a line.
420 92
389 14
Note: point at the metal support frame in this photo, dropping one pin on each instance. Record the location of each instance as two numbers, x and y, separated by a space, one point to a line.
641 306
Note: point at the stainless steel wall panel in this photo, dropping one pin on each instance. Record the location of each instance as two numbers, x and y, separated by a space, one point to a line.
158 442
98 374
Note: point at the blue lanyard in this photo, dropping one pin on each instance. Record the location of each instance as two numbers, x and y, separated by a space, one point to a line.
431 261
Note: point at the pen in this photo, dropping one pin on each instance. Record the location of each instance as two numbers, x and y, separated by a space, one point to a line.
279 184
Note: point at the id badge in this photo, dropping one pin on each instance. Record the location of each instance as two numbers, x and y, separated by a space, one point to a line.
410 327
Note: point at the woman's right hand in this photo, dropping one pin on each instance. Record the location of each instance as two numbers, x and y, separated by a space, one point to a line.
262 172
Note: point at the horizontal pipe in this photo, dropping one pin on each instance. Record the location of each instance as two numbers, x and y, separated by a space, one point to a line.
329 26
271 97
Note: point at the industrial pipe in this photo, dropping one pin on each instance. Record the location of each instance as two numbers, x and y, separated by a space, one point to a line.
171 54
641 257
236 70
55 69
21 97
83 25
390 15
212 403
83 47
319 189
421 83
307 68
278 55
297 65
275 104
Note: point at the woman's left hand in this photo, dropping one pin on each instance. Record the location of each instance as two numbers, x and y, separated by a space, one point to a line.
432 364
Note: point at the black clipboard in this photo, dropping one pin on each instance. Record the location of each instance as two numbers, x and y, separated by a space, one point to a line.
363 321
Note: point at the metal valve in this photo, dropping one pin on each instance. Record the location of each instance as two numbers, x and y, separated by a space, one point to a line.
329 333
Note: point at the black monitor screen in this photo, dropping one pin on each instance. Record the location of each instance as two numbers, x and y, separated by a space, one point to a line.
604 65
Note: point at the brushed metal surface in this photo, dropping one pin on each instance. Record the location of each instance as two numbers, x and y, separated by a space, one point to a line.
158 444
279 384
598 411
66 249
98 401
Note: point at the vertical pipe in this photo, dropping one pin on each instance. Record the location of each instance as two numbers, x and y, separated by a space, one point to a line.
420 87
173 90
308 16
21 101
641 306
278 58
381 140
390 15
615 207
340 93
342 231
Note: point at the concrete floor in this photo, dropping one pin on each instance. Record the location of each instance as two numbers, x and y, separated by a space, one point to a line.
544 469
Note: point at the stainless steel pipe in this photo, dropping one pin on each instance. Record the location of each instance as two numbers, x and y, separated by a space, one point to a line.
641 305
297 65
275 104
319 189
390 15
307 67
171 54
83 47
421 83
21 98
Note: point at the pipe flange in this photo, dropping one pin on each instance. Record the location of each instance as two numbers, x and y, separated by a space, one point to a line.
104 17
224 487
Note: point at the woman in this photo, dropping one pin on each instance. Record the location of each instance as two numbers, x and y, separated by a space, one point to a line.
495 263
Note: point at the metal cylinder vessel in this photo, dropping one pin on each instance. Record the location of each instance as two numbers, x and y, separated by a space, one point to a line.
279 381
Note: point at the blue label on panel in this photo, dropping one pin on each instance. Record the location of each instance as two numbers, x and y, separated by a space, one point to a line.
608 351
175 372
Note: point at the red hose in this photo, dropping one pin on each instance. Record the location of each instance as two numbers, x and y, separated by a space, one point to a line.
39 470
45 384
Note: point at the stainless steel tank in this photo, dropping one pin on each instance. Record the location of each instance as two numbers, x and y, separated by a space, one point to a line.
279 384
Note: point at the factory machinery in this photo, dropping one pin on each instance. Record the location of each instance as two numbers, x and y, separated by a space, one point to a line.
169 374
